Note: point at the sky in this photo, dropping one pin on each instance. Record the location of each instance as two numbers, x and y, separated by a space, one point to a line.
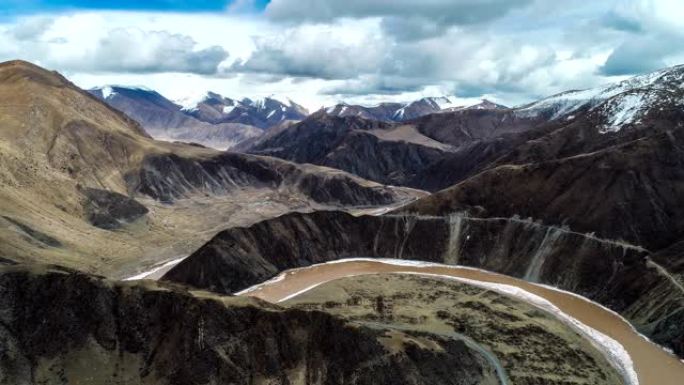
320 52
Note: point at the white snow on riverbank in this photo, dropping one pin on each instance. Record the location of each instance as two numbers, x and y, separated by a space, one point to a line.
273 280
155 269
303 291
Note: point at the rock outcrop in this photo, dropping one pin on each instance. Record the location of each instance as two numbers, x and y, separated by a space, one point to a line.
110 210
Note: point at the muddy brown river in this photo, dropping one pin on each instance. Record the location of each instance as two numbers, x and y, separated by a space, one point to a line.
653 365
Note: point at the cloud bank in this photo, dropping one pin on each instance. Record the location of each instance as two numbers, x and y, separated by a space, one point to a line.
328 50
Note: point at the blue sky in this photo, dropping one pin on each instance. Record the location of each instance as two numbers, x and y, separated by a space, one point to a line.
319 52
39 6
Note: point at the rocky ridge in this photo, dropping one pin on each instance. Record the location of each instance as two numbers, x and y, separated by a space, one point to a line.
148 333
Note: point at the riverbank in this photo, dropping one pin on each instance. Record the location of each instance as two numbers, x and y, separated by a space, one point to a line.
652 365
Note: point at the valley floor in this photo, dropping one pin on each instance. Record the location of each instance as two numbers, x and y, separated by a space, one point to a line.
167 233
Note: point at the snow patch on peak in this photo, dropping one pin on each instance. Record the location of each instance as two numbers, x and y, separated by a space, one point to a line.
563 103
285 101
487 105
400 113
111 89
107 91
436 102
137 88
337 109
190 103
262 101
444 102
571 101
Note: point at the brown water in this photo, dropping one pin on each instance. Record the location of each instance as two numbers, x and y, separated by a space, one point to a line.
653 365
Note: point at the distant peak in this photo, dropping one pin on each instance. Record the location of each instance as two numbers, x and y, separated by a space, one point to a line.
261 101
214 95
34 73
107 92
191 102
568 102
487 104
111 89
21 64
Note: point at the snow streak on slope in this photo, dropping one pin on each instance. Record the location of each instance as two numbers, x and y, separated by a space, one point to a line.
107 92
111 90
625 109
190 102
628 100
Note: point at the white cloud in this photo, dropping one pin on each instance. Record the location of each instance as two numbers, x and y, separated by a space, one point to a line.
323 51
129 41
320 51
407 19
137 51
463 61
31 28
653 35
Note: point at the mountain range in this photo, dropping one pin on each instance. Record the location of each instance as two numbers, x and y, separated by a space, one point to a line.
438 150
263 113
219 122
603 167
580 191
210 120
399 112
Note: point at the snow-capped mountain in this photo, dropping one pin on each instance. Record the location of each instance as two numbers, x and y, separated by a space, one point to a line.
263 113
399 112
166 120
209 119
618 104
484 104
385 112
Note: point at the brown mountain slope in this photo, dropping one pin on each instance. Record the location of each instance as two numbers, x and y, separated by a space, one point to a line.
69 162
605 171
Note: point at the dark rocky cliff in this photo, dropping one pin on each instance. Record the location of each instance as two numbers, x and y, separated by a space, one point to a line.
64 327
630 191
432 152
346 143
615 274
167 177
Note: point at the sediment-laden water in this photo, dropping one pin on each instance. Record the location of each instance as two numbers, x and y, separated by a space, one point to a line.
652 365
